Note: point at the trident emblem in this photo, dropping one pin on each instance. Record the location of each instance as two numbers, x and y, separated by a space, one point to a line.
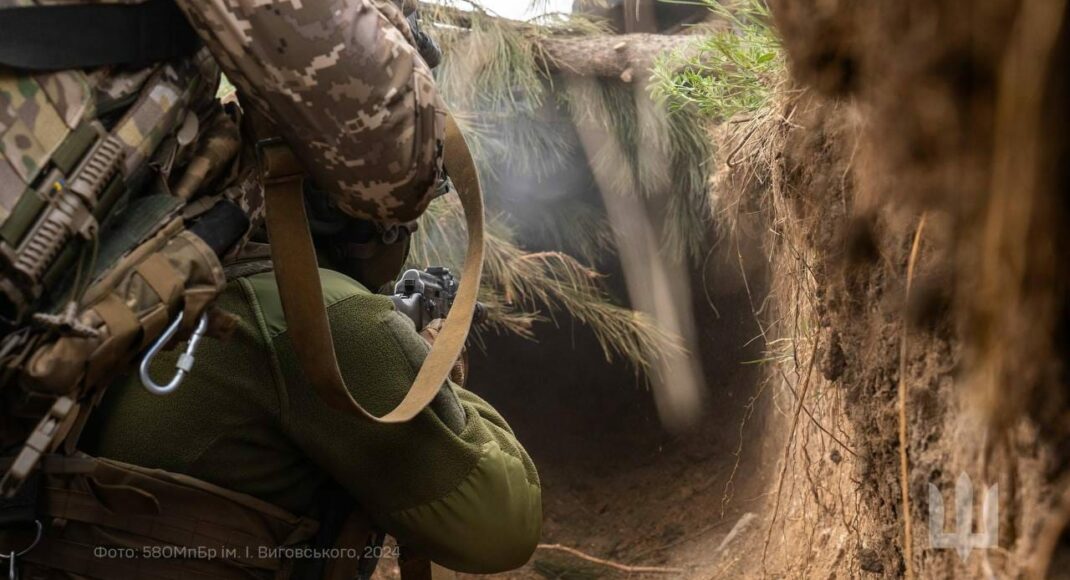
963 539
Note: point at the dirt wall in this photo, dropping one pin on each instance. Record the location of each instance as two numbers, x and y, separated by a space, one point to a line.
923 129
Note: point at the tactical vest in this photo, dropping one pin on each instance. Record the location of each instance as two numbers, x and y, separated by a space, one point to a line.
120 189
118 193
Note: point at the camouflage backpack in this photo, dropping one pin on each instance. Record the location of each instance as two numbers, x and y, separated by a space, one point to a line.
120 188
101 182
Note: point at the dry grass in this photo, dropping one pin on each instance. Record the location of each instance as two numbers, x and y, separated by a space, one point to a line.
752 205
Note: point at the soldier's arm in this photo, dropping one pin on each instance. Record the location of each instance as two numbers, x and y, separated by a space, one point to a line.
348 92
457 487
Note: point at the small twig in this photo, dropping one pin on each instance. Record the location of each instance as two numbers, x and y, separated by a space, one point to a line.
610 563
787 447
731 161
729 484
904 475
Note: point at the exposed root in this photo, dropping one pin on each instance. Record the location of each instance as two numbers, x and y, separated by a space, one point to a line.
814 420
610 563
904 474
787 448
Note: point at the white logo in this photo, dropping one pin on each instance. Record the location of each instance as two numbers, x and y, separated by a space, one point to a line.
963 539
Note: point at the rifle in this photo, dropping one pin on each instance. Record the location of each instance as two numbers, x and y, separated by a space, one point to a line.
428 295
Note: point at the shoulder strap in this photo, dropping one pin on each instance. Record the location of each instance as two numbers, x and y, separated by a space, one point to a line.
57 37
302 295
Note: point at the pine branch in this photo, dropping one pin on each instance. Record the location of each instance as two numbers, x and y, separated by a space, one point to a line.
624 56
577 46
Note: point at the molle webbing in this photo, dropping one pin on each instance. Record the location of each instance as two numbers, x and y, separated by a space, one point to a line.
79 36
69 189
121 506
127 309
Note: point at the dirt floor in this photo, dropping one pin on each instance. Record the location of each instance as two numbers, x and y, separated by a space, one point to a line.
616 485
908 320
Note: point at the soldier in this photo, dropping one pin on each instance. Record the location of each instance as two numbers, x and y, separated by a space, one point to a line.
453 483
343 85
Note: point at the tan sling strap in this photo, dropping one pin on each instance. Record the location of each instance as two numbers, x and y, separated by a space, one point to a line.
302 296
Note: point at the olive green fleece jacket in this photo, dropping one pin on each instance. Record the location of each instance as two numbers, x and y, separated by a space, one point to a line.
245 419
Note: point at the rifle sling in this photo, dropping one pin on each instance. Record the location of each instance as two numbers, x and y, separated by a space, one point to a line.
298 279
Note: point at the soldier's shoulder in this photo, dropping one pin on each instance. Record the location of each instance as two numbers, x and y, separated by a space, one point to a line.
339 291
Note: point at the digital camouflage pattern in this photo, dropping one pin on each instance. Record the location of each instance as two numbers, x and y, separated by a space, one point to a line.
360 109
358 103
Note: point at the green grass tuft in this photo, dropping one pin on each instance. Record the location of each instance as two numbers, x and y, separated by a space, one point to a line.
733 71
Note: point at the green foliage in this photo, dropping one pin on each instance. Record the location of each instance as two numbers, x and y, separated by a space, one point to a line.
512 111
521 288
226 88
519 122
493 74
735 70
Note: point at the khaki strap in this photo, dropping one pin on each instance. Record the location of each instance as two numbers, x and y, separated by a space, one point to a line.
121 322
302 296
162 277
80 560
123 330
131 510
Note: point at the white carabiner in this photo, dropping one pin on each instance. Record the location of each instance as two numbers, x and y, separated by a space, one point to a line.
185 360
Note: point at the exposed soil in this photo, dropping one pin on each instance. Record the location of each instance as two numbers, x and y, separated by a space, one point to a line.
911 200
915 134
616 485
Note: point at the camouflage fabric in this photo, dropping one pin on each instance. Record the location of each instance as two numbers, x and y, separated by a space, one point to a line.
128 308
217 146
37 112
159 110
59 163
36 115
358 103
95 260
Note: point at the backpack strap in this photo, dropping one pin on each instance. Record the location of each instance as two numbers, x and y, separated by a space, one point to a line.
56 37
302 295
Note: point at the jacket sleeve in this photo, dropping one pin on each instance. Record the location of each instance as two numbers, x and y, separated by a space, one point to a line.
469 498
346 88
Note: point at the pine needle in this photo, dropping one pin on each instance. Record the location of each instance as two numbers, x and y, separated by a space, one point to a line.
519 123
522 288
